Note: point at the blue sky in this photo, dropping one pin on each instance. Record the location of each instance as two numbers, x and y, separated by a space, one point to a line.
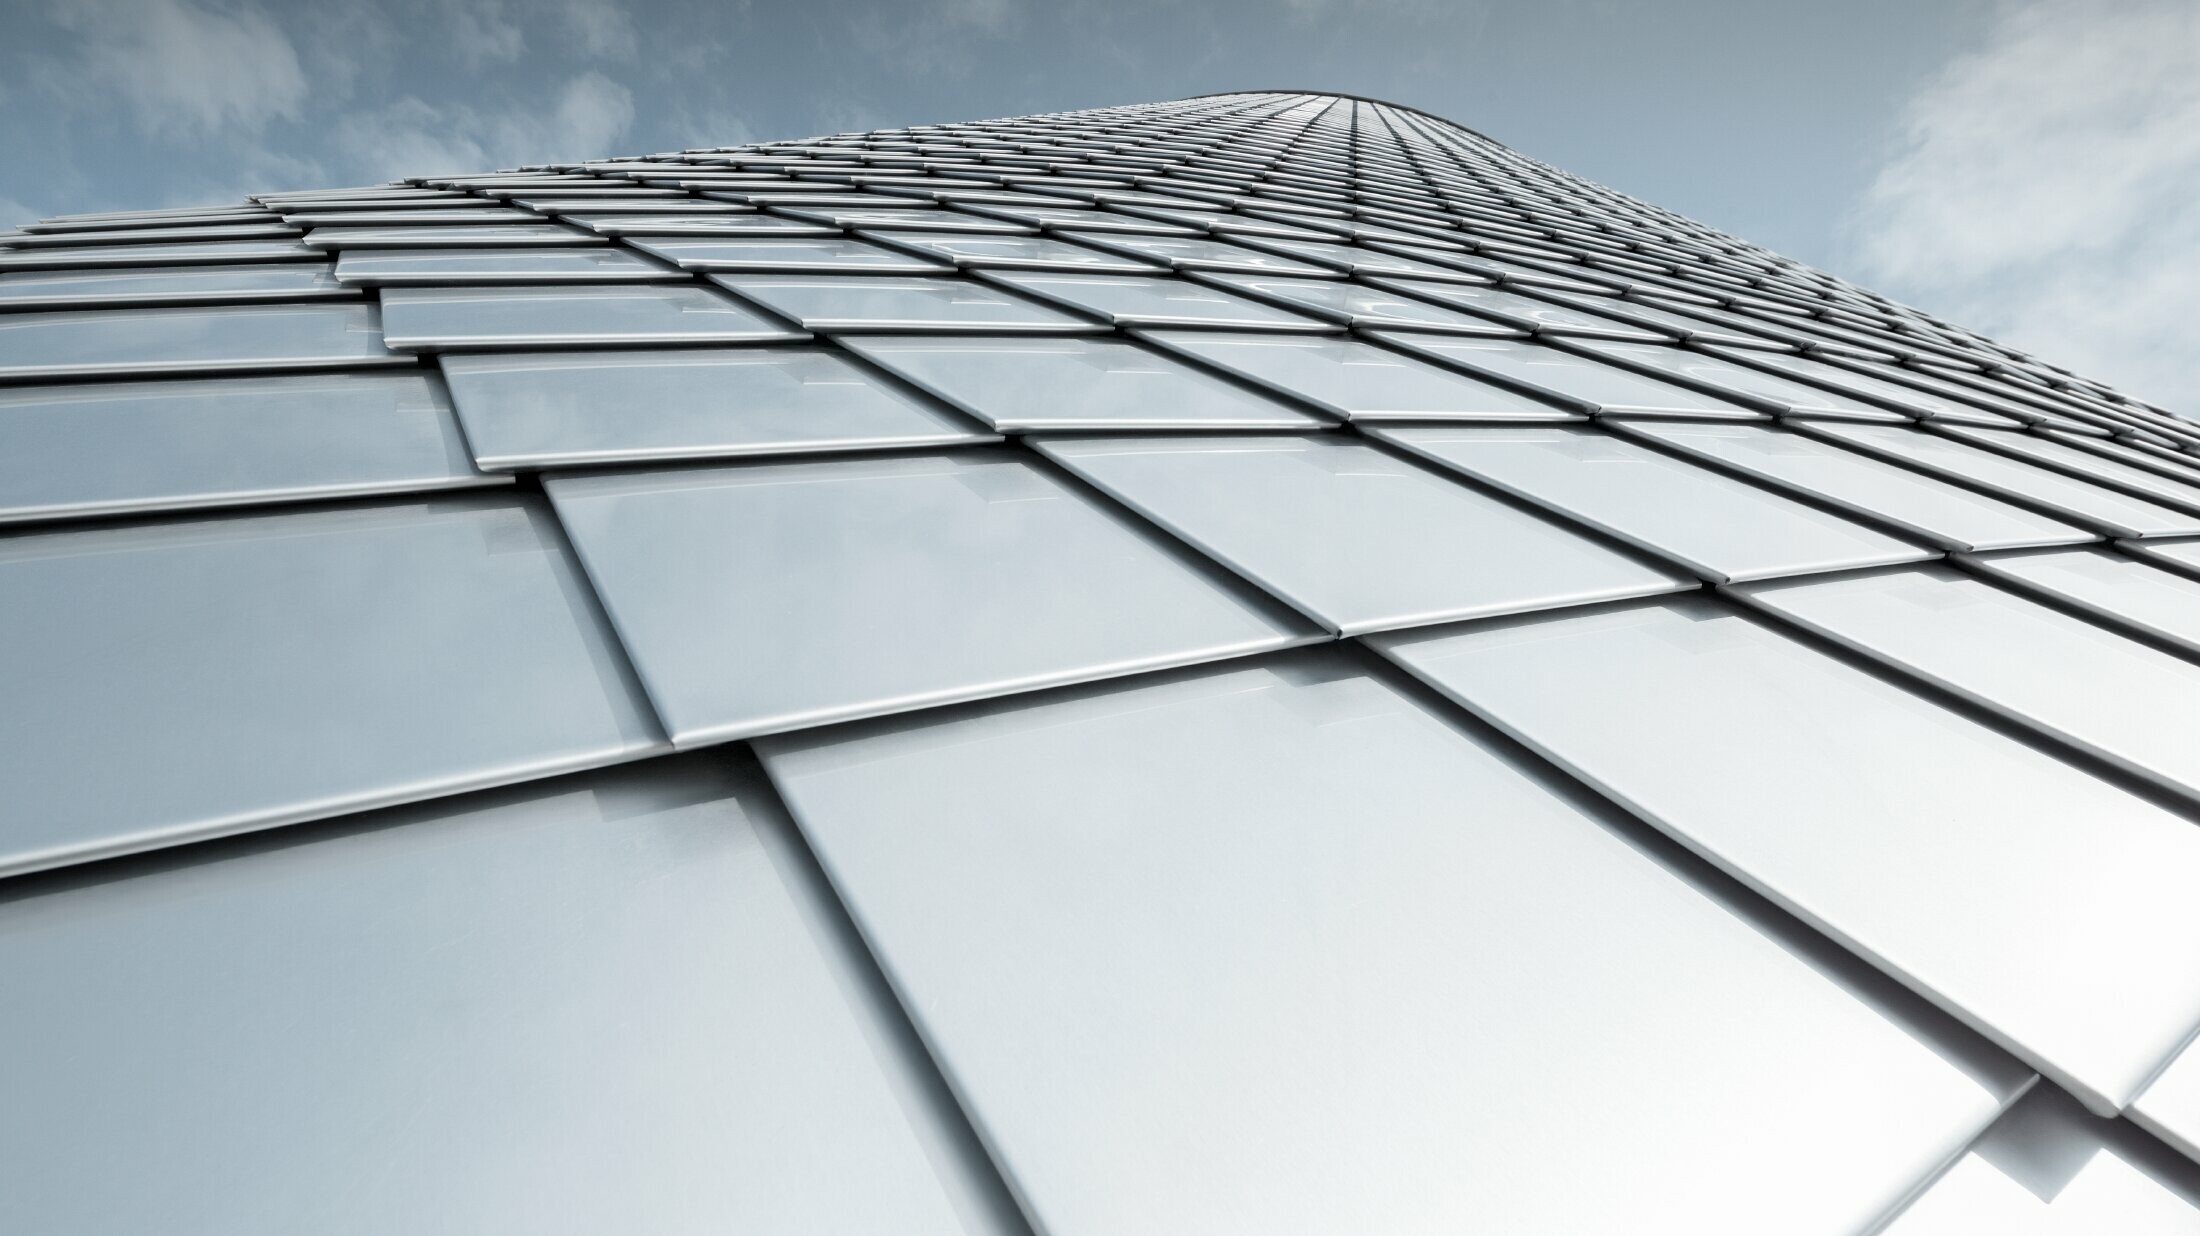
2027 167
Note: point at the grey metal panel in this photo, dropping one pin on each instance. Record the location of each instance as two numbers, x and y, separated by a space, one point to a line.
767 597
2114 473
1359 304
2074 938
467 210
906 303
1891 394
1720 527
1943 514
2072 498
1524 312
1156 300
1352 536
108 448
1201 253
2047 1168
370 267
2170 1106
1071 383
1577 381
1014 252
443 319
176 253
551 409
1738 382
183 340
2184 554
907 216
1360 260
1265 917
2111 586
175 285
588 1005
259 670
483 235
1358 380
831 254
2130 704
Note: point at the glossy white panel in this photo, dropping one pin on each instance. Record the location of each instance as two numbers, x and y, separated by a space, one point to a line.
372 267
1353 536
588 1005
1358 304
1074 383
183 340
1014 252
175 253
2128 703
769 597
1525 312
2049 1169
110 448
485 234
2114 473
552 409
1576 381
176 285
1291 953
2084 501
1201 253
2048 908
1720 527
1156 300
1359 380
1941 513
855 303
444 319
258 670
2112 585
2184 554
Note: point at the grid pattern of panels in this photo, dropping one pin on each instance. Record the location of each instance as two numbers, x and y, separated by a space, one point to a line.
1260 662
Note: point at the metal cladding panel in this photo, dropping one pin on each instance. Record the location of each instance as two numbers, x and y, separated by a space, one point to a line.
1295 954
1136 921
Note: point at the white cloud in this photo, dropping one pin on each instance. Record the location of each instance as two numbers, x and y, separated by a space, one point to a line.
182 69
482 34
412 137
2042 190
601 28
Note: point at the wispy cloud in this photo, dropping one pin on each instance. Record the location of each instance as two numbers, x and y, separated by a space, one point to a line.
412 137
2042 190
182 68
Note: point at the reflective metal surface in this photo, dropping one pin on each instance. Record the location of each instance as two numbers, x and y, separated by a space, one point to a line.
373 267
835 254
881 586
1432 944
1719 527
1571 380
256 670
1746 745
546 409
901 304
111 448
1355 304
376 1029
183 340
1354 537
444 319
178 285
1358 380
1133 300
2114 588
1074 383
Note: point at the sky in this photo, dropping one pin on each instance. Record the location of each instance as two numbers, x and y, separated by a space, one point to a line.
2028 168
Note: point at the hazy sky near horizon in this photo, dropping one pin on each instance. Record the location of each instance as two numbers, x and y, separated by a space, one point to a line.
2026 167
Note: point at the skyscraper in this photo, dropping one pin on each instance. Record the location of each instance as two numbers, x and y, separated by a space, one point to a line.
1261 663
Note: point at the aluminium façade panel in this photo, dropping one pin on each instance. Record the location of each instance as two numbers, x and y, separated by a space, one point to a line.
1355 379
1720 527
1740 383
1865 808
464 267
765 597
1293 952
2083 502
1014 252
2048 1168
1355 304
1073 383
587 1004
812 255
1525 313
173 253
486 234
192 339
559 409
1921 505
170 285
1200 253
906 303
2112 587
1155 301
1566 377
453 319
2128 703
255 670
115 448
1353 536
2117 474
